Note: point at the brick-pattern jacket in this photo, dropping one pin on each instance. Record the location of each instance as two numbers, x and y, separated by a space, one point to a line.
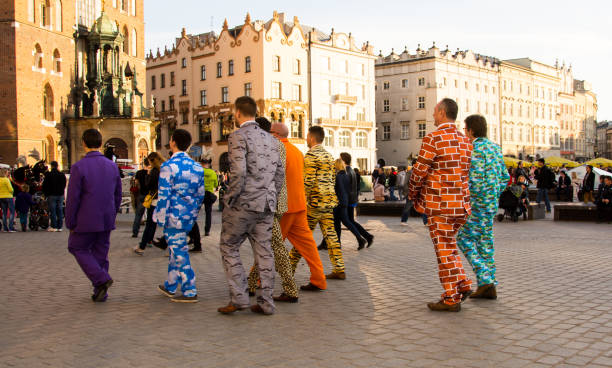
439 184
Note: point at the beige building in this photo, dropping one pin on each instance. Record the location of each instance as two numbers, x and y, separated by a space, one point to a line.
409 85
194 84
585 118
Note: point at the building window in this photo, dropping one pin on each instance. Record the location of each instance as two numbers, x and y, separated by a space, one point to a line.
467 105
124 5
203 72
385 85
344 139
276 90
276 63
38 57
162 81
422 129
153 84
456 83
133 7
405 132
203 98
404 83
224 95
386 132
297 92
297 126
444 81
57 61
346 115
346 66
183 62
421 102
329 138
219 70
205 131
171 103
362 69
185 115
486 88
45 16
421 81
230 67
361 140
404 103
171 79
183 87
467 85
163 106
133 40
361 114
247 64
248 89
297 67
386 106
363 92
47 104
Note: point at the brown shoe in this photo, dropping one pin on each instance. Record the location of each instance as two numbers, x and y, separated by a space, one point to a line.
229 309
466 294
443 307
336 276
310 287
259 310
285 298
487 291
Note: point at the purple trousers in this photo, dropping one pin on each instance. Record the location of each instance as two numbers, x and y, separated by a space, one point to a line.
91 253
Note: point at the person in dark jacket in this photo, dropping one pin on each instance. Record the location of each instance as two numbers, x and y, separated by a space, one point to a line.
546 179
564 187
151 185
588 184
392 183
355 184
23 202
604 203
520 170
139 179
343 192
53 187
602 184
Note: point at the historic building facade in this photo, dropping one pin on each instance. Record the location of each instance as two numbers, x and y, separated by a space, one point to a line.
409 85
604 139
49 77
586 119
194 84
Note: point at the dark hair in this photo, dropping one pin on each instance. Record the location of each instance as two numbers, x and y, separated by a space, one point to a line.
264 123
145 162
246 105
450 108
317 132
590 167
542 160
54 164
92 138
414 161
182 138
477 124
346 157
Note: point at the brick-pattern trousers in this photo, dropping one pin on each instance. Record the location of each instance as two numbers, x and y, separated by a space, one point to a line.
281 263
325 219
475 239
179 267
443 232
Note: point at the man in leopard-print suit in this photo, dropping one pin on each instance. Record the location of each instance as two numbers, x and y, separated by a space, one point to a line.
281 256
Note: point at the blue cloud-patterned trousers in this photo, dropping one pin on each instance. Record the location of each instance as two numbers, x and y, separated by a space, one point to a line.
475 239
179 267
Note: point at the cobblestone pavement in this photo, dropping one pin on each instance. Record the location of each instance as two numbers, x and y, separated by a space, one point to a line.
554 307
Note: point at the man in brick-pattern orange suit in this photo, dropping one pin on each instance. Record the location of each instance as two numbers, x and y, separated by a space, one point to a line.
439 189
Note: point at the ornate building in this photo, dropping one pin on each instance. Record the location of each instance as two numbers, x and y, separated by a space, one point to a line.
194 84
66 66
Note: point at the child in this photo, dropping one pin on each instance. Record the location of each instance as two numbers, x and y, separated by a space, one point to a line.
23 202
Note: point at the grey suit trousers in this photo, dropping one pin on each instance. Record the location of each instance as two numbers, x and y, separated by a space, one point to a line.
238 225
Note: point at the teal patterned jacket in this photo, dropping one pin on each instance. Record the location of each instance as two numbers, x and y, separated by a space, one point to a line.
488 175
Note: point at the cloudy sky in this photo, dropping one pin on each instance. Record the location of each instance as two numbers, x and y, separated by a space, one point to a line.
577 32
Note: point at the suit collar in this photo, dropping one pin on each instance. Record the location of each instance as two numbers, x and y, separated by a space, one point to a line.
93 154
447 125
248 123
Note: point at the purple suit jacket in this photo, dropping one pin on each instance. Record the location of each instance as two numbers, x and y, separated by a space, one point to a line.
94 194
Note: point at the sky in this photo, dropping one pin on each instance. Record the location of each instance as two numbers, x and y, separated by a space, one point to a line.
577 32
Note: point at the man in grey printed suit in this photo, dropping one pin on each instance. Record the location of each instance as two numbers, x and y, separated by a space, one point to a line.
256 176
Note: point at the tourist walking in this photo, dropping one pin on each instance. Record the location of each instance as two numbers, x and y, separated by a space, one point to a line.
179 199
139 196
23 202
92 203
7 204
488 178
294 223
54 185
211 184
588 185
546 181
342 188
439 189
256 177
355 183
150 201
405 189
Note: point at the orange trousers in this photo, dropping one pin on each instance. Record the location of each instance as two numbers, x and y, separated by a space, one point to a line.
294 226
443 232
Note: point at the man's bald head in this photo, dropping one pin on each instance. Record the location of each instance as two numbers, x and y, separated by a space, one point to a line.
280 130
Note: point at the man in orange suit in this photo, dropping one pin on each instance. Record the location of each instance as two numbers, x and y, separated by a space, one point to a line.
294 224
439 189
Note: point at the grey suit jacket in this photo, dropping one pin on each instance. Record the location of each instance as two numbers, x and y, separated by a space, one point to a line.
256 171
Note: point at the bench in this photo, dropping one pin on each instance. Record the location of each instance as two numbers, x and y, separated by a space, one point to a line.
575 212
536 211
552 195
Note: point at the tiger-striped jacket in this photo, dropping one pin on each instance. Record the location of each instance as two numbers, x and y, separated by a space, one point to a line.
319 179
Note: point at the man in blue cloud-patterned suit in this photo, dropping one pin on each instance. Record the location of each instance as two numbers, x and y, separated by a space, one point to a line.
180 194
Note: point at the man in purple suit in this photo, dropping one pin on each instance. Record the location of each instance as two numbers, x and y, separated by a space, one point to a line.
92 203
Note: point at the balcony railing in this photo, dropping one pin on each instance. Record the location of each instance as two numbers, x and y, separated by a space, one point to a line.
345 99
346 123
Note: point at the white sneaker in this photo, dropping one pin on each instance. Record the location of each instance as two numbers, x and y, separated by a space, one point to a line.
403 223
50 230
12 231
58 230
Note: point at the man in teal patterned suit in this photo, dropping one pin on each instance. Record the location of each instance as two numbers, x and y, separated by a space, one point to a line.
488 178
180 194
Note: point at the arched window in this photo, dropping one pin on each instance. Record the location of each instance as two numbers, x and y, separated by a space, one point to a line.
47 103
58 15
38 57
45 14
296 126
329 138
133 7
57 61
124 5
126 41
31 11
344 139
133 42
361 140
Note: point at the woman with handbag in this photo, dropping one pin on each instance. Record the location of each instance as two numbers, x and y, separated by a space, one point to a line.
150 201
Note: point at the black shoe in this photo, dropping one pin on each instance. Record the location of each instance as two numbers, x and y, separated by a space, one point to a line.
362 242
322 246
207 234
310 287
100 294
161 243
162 289
134 235
195 250
370 240
524 216
185 299
190 241
285 298
251 293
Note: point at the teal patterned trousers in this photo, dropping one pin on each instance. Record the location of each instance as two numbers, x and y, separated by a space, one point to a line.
475 239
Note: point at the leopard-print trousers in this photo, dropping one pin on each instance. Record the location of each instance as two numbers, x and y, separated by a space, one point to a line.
281 263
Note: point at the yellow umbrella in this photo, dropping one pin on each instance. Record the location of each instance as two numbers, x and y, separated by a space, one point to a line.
556 161
513 162
600 161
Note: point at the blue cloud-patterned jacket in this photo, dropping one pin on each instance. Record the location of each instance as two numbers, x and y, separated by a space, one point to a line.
180 194
488 175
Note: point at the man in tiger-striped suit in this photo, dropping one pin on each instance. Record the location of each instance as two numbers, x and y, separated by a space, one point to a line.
319 179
